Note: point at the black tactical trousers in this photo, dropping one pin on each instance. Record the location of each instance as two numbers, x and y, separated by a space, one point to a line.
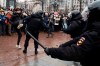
35 34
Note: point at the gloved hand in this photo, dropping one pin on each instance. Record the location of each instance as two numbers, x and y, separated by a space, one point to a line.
47 51
51 52
61 45
19 26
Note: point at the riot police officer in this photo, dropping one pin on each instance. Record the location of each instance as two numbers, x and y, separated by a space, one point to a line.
76 24
34 23
86 48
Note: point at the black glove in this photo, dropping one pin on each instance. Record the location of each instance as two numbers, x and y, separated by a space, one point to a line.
47 51
61 45
51 52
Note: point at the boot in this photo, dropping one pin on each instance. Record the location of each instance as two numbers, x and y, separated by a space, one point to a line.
25 51
36 52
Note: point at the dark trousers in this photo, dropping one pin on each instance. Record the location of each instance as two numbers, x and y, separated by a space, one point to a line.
8 29
2 29
35 34
19 34
50 30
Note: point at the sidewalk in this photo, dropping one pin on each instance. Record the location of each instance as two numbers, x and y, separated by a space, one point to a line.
48 61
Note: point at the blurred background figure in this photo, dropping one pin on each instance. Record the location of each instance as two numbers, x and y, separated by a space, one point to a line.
8 23
2 22
64 21
46 21
50 26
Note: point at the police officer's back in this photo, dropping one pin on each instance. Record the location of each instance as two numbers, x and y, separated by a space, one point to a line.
33 23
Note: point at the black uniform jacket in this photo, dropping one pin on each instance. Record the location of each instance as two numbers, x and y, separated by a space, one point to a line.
34 22
75 28
84 49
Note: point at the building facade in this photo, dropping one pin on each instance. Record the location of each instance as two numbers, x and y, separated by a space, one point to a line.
11 4
67 5
3 3
78 4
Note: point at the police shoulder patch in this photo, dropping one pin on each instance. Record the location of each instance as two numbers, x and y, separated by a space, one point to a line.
81 40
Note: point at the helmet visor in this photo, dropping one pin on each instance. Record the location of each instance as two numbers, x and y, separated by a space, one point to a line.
69 15
85 14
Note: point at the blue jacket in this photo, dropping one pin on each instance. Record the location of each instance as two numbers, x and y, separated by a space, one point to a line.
3 18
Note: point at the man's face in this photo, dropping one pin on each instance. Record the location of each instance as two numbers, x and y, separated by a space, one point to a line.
18 11
2 13
46 14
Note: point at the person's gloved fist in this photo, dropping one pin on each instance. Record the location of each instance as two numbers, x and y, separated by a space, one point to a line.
61 45
47 51
19 26
51 52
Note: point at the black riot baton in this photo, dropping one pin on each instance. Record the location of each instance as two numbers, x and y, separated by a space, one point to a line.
34 38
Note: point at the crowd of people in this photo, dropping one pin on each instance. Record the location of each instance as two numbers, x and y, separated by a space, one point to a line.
10 20
51 20
15 21
6 23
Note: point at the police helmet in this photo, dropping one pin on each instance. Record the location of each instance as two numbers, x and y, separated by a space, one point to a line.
92 12
40 13
75 14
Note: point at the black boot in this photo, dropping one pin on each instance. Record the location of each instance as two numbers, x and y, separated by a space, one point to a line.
24 51
36 52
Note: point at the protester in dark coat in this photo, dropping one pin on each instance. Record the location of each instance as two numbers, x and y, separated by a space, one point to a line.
16 21
86 48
